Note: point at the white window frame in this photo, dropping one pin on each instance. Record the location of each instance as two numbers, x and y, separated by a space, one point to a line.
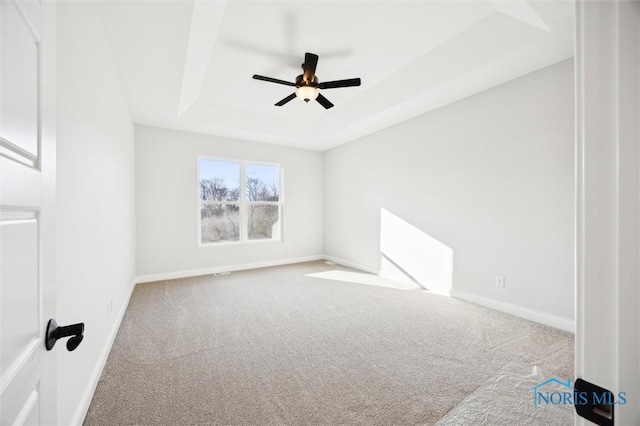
242 203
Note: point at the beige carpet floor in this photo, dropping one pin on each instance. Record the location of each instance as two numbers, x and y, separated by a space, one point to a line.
275 346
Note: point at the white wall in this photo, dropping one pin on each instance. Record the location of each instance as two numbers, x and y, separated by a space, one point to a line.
167 209
95 200
491 177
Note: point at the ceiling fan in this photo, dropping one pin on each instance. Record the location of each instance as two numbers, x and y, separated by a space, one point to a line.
307 85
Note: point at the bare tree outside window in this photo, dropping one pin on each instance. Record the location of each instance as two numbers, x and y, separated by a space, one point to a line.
263 199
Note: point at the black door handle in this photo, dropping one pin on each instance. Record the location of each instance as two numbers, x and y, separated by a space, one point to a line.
55 332
596 403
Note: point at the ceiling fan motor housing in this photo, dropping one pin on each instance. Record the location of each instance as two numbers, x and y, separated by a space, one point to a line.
300 81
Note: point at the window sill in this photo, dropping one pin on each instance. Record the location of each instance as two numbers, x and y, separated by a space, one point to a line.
236 243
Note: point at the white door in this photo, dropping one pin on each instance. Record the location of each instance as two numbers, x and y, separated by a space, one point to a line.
27 187
608 206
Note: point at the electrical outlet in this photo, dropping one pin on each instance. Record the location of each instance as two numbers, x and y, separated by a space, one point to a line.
291 247
500 282
109 307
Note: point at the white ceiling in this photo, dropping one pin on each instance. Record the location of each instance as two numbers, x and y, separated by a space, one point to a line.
187 65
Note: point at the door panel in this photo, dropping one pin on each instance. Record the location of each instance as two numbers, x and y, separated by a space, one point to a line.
20 70
20 285
21 400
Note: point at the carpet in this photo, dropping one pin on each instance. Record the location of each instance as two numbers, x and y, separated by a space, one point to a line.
276 346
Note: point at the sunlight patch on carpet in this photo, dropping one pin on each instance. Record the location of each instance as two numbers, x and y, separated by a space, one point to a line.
363 278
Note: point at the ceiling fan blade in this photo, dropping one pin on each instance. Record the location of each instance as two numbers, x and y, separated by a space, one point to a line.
339 83
324 101
273 80
309 66
287 99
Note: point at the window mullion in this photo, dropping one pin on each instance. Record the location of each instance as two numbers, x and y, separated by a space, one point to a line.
281 202
216 202
244 218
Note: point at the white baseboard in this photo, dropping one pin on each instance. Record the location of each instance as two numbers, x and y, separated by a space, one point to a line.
518 311
353 265
220 269
87 396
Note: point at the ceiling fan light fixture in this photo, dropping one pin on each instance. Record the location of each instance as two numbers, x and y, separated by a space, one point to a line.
307 93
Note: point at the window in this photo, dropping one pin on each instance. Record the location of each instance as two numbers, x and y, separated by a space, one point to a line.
239 201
